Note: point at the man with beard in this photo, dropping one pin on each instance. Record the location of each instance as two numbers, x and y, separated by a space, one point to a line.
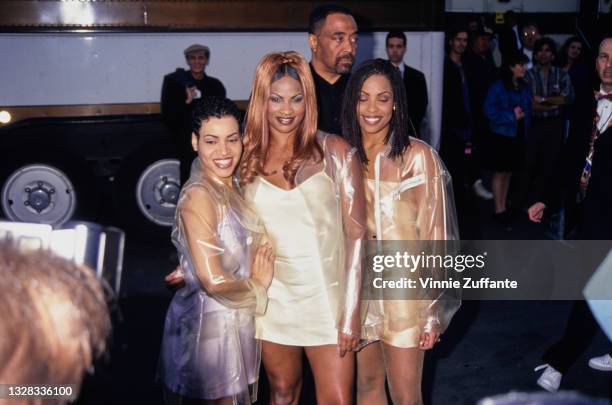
332 37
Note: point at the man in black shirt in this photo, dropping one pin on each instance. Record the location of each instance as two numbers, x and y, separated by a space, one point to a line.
332 36
179 91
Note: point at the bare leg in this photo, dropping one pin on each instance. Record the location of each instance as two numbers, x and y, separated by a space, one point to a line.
404 371
283 366
497 186
371 376
333 374
506 186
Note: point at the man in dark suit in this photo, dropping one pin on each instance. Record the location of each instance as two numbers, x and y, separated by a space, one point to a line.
414 80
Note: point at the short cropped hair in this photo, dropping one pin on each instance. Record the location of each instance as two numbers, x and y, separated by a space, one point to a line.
212 107
395 34
54 321
319 14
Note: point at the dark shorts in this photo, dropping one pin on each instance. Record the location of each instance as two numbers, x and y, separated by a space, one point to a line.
503 153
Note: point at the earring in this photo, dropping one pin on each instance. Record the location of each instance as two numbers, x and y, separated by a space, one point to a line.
393 107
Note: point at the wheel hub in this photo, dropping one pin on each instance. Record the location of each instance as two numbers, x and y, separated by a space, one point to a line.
30 194
157 191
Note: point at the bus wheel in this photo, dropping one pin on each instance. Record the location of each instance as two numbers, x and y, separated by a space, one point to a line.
38 193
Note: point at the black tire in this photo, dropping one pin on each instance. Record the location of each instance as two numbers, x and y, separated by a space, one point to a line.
133 216
80 176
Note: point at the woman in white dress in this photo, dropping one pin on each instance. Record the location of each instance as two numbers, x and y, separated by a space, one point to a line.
307 188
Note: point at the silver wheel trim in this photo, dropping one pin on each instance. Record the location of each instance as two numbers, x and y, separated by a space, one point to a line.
152 196
38 193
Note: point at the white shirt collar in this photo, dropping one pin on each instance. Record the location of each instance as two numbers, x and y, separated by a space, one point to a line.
604 110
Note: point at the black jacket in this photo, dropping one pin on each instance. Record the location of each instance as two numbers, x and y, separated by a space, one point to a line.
177 114
416 95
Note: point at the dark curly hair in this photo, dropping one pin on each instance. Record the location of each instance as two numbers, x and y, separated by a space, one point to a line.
212 107
400 127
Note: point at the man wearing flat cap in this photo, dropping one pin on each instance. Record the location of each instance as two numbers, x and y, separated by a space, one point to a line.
179 91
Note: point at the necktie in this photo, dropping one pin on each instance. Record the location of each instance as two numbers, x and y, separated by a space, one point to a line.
586 171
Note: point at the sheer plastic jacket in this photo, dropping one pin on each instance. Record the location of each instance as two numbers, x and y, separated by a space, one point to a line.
213 258
411 199
209 349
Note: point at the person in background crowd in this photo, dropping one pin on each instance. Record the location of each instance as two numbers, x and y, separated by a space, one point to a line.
209 351
414 80
508 109
595 222
552 92
457 116
572 59
530 33
54 321
307 186
332 38
179 90
510 36
375 121
480 72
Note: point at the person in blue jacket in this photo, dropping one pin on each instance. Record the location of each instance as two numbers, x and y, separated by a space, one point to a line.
507 107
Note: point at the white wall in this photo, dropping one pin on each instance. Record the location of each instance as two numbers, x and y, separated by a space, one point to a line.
525 6
64 69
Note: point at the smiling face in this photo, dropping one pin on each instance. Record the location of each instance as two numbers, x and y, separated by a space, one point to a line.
375 107
335 45
197 62
219 146
286 106
459 43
